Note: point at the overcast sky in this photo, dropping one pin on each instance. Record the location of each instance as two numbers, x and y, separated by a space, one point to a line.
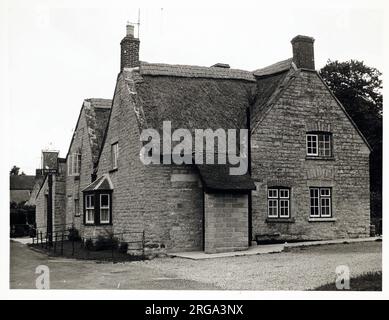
59 56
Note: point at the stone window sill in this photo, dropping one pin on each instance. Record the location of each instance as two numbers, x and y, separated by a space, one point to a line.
322 219
320 158
280 220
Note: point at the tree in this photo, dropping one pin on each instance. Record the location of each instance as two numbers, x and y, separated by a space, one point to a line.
358 87
14 171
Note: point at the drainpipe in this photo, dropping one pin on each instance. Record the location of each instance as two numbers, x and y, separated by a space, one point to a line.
50 209
250 218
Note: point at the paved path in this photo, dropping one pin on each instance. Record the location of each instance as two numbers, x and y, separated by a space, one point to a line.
296 269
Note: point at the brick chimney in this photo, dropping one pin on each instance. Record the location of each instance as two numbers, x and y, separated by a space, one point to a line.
303 55
129 55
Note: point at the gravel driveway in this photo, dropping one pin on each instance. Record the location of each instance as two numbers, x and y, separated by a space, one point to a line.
297 269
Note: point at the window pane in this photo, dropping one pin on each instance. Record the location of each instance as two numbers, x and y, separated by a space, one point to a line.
284 193
90 201
325 144
78 164
314 202
90 215
311 144
325 207
272 208
273 193
284 208
325 192
104 200
104 215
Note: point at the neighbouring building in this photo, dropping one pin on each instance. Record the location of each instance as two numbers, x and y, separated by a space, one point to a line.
20 187
50 199
73 173
308 175
82 156
39 177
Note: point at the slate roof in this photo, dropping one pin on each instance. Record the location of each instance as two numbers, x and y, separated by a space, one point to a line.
97 115
21 182
102 183
217 177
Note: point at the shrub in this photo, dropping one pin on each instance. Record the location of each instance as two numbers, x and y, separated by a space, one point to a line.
89 244
105 243
74 235
123 247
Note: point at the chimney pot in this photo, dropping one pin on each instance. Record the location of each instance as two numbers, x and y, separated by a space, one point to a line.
303 53
130 30
129 55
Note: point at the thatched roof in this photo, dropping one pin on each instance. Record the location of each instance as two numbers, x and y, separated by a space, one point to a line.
193 97
217 71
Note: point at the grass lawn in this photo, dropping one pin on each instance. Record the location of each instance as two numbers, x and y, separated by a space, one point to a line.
371 281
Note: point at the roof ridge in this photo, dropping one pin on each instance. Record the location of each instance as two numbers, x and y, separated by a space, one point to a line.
274 68
194 71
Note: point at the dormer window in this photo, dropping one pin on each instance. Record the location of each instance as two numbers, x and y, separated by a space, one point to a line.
319 144
74 164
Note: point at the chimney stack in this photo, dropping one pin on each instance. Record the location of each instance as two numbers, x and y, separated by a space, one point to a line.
129 55
303 54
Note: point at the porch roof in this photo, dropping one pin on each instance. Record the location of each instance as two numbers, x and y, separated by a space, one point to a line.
102 183
216 177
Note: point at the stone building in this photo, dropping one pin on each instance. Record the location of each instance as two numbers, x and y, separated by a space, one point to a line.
76 171
50 199
308 164
20 188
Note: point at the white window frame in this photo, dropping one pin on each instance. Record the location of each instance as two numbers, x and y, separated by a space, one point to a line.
309 135
323 144
275 195
320 206
89 208
74 164
115 155
105 207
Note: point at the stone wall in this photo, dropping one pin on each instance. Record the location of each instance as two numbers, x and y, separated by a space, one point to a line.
74 184
279 159
58 203
163 201
226 222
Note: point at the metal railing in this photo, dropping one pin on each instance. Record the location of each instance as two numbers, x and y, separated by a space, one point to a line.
56 242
